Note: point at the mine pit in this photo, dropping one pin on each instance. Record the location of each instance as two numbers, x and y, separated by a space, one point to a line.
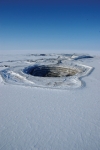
51 71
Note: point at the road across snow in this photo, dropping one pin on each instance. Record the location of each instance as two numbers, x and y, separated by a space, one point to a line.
33 118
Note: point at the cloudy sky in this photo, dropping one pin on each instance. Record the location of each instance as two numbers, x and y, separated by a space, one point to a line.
49 25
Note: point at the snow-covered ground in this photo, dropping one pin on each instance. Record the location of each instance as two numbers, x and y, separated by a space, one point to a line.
35 115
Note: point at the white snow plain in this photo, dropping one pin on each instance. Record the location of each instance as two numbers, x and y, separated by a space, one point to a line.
37 114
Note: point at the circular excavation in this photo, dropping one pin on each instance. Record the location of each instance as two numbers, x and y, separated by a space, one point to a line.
51 71
59 71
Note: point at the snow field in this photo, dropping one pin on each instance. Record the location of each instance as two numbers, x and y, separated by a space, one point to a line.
34 118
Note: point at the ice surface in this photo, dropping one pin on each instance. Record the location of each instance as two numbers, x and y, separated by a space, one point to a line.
37 118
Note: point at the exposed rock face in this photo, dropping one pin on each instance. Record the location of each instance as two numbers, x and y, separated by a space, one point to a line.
52 71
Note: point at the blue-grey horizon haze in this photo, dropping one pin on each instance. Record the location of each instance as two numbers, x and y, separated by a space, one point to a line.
30 25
